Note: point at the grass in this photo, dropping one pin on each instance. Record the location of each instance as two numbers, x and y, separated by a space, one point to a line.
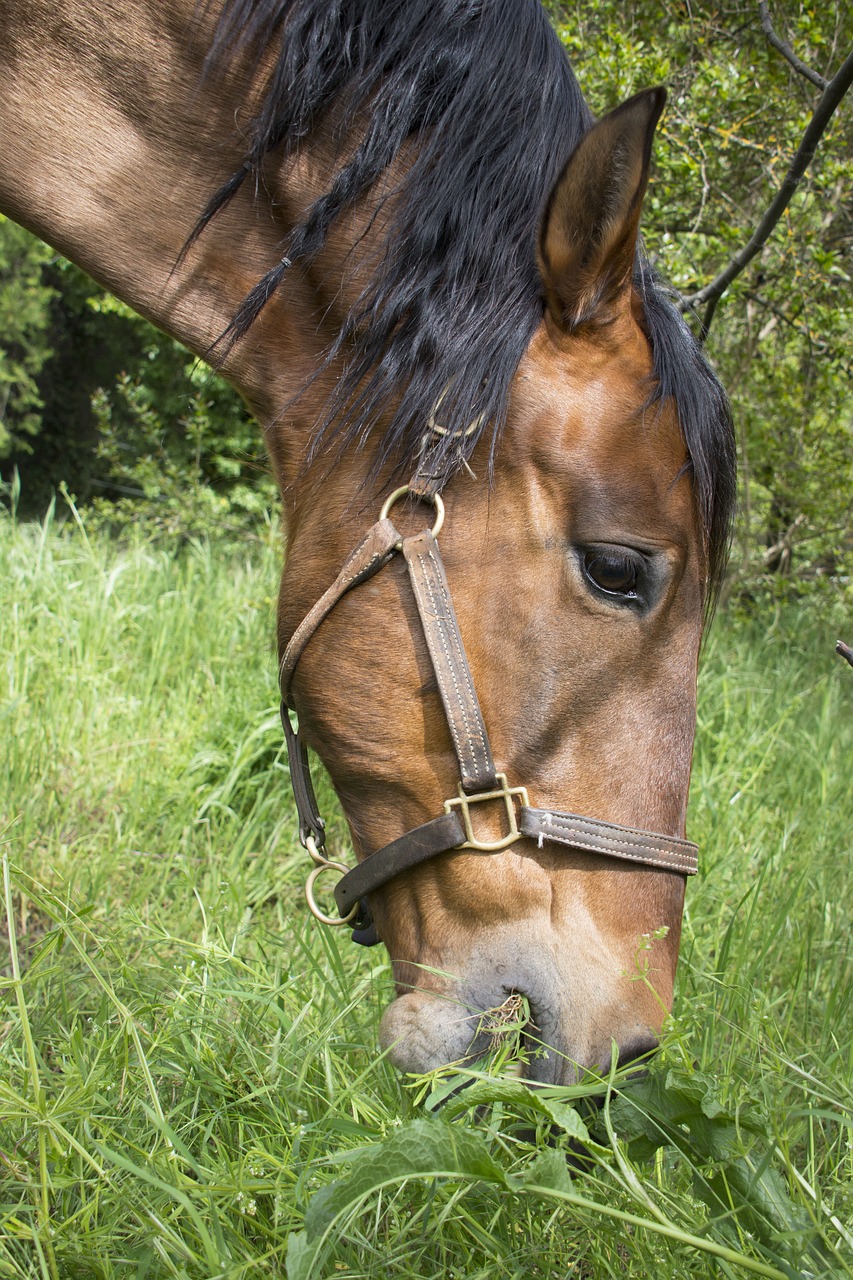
189 1078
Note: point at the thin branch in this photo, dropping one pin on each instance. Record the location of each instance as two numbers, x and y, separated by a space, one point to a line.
777 314
706 191
786 50
829 100
818 345
781 551
844 651
708 316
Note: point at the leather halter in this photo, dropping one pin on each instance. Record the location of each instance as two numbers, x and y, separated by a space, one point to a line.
479 780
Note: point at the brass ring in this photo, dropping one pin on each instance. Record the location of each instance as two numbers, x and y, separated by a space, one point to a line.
462 434
317 856
334 921
401 493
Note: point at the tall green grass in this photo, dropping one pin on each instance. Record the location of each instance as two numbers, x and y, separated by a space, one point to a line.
189 1079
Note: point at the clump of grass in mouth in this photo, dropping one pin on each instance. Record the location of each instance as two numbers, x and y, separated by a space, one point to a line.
507 1026
505 1018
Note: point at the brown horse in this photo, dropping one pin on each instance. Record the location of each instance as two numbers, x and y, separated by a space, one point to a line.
422 255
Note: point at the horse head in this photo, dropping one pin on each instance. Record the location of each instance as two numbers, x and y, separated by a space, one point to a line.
578 565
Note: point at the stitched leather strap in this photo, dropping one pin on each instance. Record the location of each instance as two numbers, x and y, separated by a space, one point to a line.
438 618
441 834
400 855
433 474
664 853
667 852
374 551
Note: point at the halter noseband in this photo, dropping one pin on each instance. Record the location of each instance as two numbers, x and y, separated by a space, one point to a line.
479 780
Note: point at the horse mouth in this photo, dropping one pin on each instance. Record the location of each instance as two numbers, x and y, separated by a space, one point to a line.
509 1034
422 1031
514 1037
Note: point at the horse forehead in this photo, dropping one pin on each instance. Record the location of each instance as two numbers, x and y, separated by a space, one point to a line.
587 405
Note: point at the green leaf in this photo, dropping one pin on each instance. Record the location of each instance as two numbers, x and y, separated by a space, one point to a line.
422 1149
567 1118
300 1256
676 1110
756 1196
742 1189
519 1096
549 1170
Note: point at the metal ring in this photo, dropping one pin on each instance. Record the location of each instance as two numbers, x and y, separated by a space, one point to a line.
334 921
401 493
461 434
317 856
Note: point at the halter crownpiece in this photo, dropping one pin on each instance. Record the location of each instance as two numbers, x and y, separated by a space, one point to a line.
480 783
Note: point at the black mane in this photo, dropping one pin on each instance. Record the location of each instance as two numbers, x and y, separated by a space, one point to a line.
487 93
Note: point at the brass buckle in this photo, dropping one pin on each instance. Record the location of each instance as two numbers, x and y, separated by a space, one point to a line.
504 792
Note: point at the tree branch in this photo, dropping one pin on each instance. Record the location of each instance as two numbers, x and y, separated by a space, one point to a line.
709 295
844 651
782 550
816 345
786 50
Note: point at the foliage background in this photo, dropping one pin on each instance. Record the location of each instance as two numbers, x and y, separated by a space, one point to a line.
98 402
781 338
94 398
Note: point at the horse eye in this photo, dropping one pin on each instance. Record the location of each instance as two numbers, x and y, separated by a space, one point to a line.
613 572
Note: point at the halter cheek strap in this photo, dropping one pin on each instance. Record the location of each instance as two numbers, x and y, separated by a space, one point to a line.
449 662
480 783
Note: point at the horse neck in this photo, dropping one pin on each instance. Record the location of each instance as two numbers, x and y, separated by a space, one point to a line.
112 142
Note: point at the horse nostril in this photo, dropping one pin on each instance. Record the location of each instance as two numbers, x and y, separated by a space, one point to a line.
643 1047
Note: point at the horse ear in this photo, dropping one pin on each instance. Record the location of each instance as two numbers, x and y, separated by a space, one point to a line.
588 237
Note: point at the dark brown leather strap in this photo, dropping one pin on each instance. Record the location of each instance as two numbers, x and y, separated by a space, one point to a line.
594 836
400 855
310 822
664 853
433 474
375 550
438 618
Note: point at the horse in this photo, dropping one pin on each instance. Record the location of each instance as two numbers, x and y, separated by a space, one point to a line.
400 233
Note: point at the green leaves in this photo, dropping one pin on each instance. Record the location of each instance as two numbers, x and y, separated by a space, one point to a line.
437 1149
520 1097
679 1111
732 1171
93 397
178 442
24 321
421 1149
